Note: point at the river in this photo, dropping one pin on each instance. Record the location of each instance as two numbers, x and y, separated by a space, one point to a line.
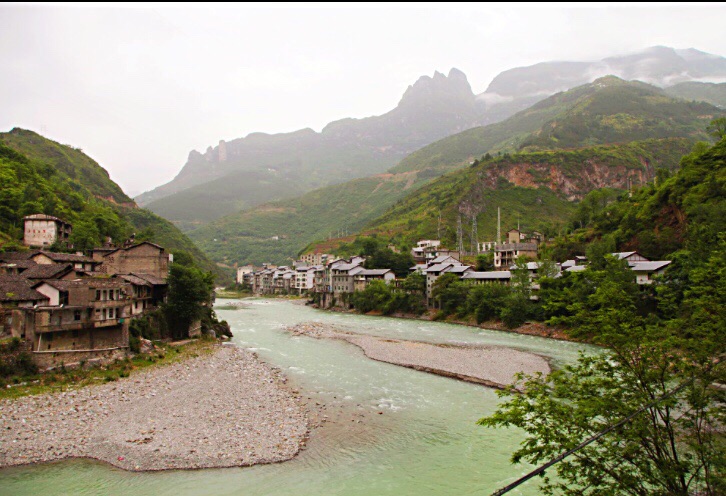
391 430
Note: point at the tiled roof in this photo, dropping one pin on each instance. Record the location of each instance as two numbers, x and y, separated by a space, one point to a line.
10 256
18 289
134 280
457 269
67 257
47 271
373 272
156 281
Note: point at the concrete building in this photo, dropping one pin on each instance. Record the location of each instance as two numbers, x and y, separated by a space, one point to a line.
507 253
244 274
363 278
42 230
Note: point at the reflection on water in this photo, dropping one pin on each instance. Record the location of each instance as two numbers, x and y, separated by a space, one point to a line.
390 430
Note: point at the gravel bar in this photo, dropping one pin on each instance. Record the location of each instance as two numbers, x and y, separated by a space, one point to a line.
225 409
488 365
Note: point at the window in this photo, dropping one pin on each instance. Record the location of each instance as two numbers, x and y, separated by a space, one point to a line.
77 315
98 295
63 297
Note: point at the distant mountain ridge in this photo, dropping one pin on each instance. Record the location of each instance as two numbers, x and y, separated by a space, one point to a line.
607 110
430 109
263 167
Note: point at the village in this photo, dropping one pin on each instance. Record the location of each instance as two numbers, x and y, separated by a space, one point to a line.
332 280
75 308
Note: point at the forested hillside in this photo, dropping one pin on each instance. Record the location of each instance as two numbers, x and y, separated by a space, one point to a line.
41 176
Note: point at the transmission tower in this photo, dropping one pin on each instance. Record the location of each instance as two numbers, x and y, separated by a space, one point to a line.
474 236
459 236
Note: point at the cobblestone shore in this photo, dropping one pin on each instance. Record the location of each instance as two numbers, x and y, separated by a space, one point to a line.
220 410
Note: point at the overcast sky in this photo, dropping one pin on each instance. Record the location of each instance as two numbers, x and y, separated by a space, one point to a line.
137 88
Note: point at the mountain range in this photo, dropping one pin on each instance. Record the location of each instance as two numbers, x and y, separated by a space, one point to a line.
606 112
248 171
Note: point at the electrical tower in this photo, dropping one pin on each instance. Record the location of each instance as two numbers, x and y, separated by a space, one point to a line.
474 236
459 236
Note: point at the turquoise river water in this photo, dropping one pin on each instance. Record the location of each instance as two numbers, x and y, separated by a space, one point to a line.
424 440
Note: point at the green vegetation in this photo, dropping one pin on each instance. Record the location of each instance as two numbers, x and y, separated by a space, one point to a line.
538 206
248 236
382 298
190 294
713 93
41 176
665 349
67 379
609 110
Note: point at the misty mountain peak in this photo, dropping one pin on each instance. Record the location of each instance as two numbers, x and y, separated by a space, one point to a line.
440 86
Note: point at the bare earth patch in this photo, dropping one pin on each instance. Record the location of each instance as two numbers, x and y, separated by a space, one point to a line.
221 410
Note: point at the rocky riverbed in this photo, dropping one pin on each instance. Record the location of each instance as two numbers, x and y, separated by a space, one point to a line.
489 365
220 410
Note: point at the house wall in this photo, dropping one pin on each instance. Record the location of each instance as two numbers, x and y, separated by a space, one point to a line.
40 232
143 258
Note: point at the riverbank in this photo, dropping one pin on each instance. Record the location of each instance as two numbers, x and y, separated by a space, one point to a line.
222 409
528 328
488 365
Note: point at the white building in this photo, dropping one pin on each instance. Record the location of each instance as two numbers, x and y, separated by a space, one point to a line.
44 230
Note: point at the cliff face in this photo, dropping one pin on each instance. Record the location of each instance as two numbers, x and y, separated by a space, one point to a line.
593 174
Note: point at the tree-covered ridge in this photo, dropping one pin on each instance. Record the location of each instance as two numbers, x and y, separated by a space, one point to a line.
609 110
713 93
71 162
87 198
532 189
277 231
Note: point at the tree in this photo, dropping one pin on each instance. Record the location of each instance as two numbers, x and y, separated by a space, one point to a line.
190 291
717 128
85 235
485 262
667 370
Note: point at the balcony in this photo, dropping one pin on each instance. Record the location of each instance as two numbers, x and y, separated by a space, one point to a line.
107 322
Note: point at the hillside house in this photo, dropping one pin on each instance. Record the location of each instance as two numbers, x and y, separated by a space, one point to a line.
145 257
645 270
42 230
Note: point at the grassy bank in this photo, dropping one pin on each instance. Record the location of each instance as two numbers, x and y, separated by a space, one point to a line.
64 380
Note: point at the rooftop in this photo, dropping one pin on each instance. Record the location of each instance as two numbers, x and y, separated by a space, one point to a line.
491 275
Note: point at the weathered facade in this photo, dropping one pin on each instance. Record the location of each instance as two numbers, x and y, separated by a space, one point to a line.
43 230
146 258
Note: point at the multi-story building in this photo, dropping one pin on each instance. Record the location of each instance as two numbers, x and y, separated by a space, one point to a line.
142 258
43 230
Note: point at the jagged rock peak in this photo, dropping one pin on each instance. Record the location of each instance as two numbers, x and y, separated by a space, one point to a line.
455 84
